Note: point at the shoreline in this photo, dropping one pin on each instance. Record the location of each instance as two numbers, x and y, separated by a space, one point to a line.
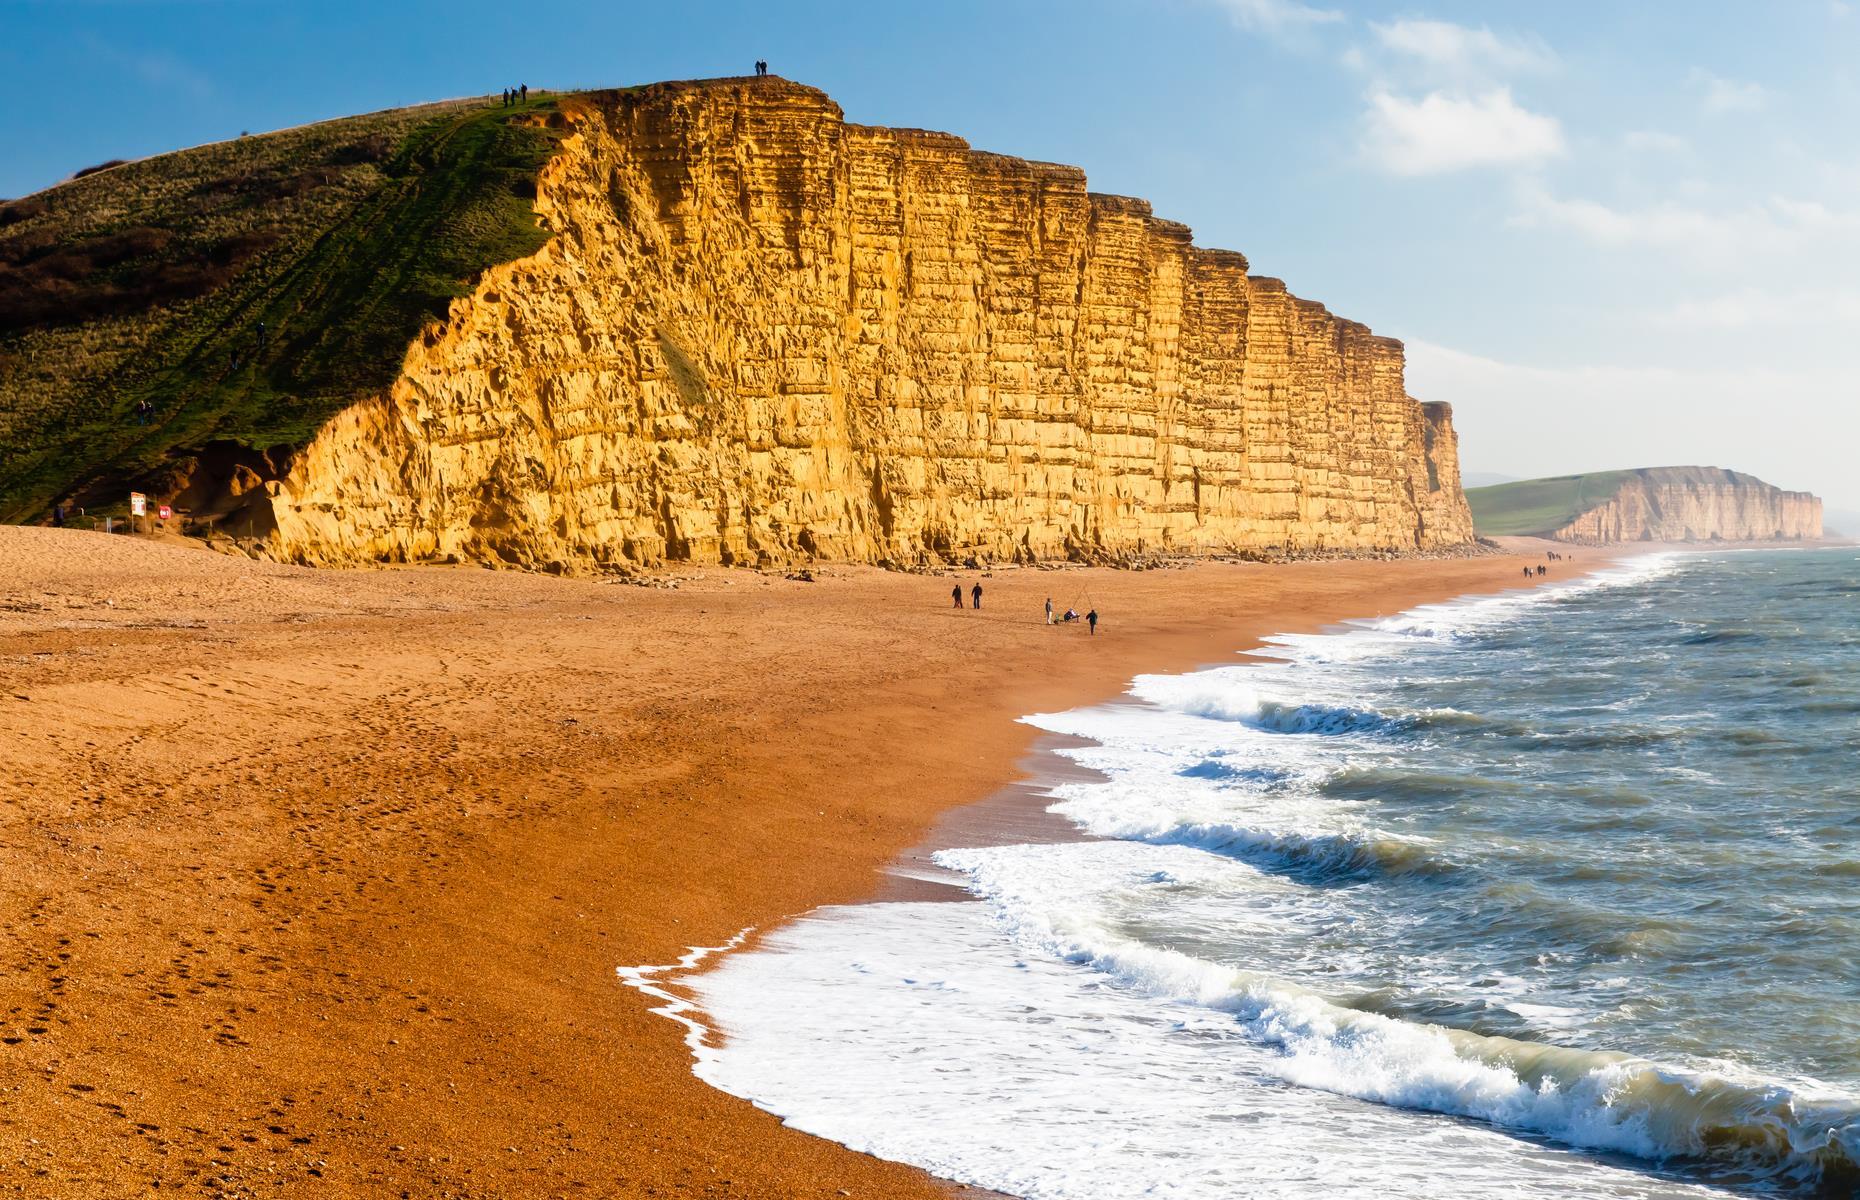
1018 812
317 880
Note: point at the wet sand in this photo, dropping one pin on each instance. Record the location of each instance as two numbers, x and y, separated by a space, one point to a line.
314 883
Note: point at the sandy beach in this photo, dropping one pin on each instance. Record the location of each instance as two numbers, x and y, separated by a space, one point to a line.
314 883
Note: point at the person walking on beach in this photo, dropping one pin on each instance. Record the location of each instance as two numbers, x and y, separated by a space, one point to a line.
955 594
1091 619
1049 610
975 594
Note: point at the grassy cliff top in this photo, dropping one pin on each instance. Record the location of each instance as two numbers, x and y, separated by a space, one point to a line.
246 290
1537 506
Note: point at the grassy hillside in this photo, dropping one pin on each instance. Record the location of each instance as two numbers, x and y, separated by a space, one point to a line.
1539 505
246 290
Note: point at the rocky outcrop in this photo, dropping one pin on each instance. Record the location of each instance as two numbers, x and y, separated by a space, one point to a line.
762 334
1696 504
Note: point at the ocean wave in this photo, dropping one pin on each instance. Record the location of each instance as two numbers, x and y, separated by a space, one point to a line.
1835 707
1746 735
1628 738
1221 696
1329 859
1217 768
1758 1128
1454 622
1715 637
1509 1017
1292 835
1399 782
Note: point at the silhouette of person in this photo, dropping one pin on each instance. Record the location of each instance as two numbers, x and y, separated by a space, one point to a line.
506 97
955 594
524 90
975 594
1091 619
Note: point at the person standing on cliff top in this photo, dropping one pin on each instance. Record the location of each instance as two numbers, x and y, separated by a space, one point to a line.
955 594
975 593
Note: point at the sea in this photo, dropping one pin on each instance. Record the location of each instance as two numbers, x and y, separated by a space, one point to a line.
1548 893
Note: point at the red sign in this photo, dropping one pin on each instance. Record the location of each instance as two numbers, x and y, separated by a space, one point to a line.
166 512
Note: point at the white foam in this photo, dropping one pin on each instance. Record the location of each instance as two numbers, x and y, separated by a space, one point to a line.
1596 1101
1077 1037
925 1033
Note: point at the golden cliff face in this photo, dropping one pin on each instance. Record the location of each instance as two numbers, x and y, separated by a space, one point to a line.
1696 504
761 334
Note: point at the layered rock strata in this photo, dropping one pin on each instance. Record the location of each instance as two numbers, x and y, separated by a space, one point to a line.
761 334
1696 504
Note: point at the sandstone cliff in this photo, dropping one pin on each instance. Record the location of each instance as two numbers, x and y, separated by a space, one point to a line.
761 334
1695 504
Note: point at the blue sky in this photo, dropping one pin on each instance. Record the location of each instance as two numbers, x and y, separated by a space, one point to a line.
1611 234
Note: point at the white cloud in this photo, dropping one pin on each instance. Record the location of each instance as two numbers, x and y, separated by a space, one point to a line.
1448 132
1721 95
1462 51
1777 224
1278 16
1751 308
1611 417
1812 216
1658 225
1653 141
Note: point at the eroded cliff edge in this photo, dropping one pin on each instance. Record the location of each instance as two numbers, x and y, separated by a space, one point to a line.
1695 504
762 334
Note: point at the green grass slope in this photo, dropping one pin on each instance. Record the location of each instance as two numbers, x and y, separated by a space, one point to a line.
1534 506
151 281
